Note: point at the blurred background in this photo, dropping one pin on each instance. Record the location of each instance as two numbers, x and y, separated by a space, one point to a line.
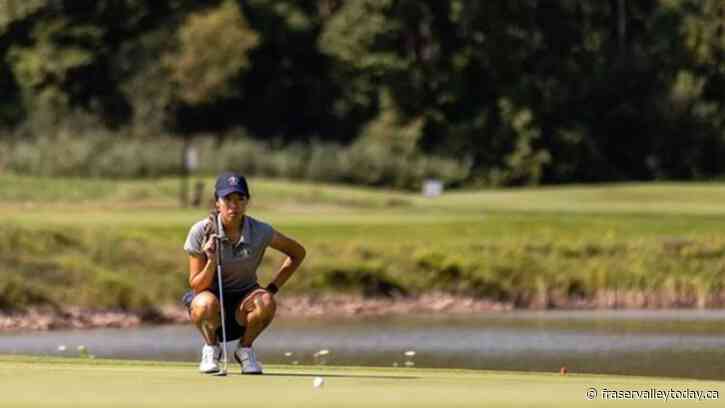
474 160
366 92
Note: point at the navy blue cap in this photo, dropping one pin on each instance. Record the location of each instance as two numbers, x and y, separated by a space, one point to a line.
228 183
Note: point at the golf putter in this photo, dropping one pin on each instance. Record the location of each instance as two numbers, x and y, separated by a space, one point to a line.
220 236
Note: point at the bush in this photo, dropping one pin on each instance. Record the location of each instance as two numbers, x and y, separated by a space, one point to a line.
376 165
118 155
101 155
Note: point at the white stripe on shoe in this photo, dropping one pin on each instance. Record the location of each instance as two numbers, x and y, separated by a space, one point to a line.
209 359
247 358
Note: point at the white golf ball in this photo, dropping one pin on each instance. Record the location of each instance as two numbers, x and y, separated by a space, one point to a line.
318 382
62 347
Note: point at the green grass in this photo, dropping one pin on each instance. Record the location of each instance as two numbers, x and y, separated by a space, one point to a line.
347 213
39 382
517 245
631 198
652 198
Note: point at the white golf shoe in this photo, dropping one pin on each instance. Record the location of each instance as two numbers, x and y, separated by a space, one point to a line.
209 359
248 359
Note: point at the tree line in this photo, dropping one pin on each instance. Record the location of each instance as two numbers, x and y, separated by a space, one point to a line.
516 91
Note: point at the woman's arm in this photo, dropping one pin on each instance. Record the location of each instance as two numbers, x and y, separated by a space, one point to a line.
295 254
201 273
202 267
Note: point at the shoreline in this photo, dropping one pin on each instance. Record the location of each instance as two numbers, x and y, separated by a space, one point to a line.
335 306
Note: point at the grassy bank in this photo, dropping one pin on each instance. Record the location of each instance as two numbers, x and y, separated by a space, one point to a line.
109 383
117 244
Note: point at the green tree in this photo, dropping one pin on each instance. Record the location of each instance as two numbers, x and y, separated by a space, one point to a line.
46 68
213 49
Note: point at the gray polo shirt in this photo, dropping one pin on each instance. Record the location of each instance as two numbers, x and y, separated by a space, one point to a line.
240 259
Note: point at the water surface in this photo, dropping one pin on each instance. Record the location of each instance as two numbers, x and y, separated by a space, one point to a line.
661 343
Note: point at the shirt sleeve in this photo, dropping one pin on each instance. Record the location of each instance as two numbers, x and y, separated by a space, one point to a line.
267 233
195 240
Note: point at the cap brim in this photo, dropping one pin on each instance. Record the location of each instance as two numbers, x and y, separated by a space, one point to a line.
226 191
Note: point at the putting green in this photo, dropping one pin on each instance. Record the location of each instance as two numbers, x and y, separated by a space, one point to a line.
53 382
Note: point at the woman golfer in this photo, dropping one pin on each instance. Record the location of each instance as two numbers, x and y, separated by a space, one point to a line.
248 308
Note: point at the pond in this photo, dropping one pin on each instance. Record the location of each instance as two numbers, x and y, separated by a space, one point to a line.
658 343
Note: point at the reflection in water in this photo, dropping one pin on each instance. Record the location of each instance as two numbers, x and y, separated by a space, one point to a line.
669 343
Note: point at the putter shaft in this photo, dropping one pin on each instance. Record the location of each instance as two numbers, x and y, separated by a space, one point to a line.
220 231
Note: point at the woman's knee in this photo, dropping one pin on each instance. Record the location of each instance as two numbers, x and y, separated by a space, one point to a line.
204 305
266 304
261 307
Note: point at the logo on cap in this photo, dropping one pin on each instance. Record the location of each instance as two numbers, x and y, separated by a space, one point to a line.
233 181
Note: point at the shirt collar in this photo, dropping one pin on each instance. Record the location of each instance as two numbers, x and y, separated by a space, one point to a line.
245 230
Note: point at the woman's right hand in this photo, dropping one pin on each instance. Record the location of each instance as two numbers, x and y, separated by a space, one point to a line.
210 248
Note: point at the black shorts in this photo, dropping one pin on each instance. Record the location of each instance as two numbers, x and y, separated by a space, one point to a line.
231 302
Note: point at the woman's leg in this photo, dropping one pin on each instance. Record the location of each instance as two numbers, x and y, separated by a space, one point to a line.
255 313
204 312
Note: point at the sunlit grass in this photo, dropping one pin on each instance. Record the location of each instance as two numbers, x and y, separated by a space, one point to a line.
109 383
306 197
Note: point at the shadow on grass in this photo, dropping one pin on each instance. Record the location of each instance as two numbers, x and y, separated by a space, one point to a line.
379 377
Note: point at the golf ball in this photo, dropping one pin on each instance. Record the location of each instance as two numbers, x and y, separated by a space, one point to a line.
318 382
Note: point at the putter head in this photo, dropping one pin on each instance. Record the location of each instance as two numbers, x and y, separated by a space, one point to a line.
220 373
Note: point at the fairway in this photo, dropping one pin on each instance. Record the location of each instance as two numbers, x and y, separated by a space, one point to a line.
36 382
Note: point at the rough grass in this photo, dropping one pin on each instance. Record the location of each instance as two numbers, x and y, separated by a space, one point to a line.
99 243
109 383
